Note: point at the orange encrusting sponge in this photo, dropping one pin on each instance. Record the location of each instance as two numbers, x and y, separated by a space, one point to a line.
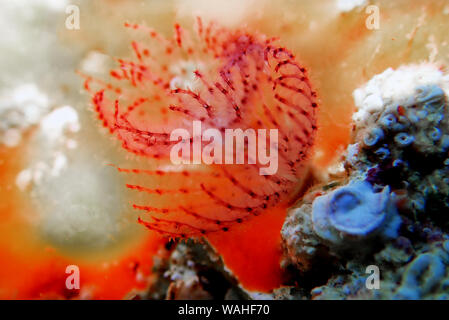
32 269
42 274
252 252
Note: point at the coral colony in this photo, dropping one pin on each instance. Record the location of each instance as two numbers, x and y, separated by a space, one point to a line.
388 211
177 94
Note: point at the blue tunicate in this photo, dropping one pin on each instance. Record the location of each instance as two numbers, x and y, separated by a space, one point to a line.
430 93
355 210
344 201
420 276
433 107
388 120
382 153
435 134
373 137
404 139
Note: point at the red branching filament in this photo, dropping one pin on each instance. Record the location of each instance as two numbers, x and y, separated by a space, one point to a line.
227 79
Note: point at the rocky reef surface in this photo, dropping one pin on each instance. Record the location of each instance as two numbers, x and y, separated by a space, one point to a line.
385 218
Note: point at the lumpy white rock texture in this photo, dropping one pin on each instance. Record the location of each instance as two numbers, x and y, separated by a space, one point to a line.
393 88
348 5
20 108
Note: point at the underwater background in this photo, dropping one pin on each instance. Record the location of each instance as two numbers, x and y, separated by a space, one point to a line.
364 216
